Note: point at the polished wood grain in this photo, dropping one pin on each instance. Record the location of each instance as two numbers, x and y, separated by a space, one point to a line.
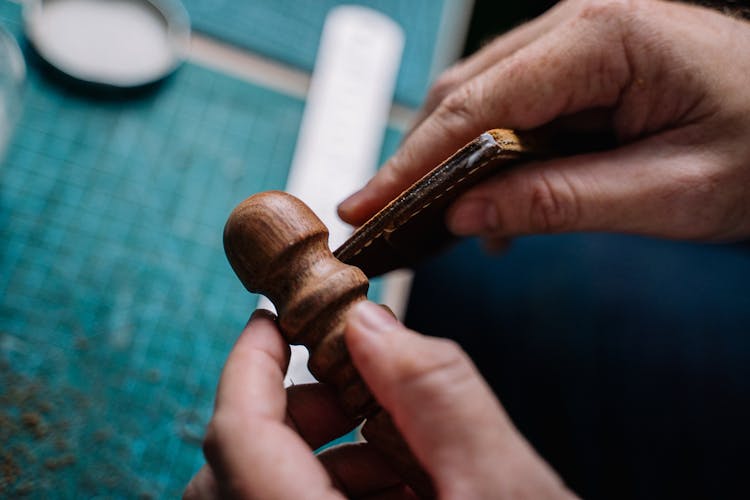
279 248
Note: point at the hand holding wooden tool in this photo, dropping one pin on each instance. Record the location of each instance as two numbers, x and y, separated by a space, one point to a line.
278 247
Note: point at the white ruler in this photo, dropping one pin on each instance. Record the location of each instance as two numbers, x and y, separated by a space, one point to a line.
345 118
344 122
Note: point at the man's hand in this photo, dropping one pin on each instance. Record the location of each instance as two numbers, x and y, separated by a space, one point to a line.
669 81
260 440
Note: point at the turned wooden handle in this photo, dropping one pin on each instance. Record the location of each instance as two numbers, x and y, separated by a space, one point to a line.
278 247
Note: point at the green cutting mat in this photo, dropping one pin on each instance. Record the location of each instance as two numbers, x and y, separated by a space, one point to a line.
289 30
117 306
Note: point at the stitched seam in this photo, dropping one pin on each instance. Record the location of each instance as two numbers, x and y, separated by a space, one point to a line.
431 201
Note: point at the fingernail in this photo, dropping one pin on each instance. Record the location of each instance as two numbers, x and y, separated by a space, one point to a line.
472 217
371 317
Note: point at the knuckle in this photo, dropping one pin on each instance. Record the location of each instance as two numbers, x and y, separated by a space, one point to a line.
443 86
443 363
457 108
448 352
396 171
552 205
608 10
705 210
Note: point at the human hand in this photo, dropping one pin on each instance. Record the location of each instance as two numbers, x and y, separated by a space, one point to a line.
260 440
668 81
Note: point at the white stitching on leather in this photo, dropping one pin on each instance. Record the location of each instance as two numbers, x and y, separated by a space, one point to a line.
433 200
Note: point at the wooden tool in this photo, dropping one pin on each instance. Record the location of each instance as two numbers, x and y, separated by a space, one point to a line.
279 248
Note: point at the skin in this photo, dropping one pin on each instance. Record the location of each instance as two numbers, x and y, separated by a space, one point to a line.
260 440
669 81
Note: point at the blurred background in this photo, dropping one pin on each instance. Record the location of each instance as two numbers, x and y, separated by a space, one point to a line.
117 305
624 360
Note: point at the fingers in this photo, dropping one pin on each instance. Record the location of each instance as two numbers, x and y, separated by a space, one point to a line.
591 69
315 412
580 64
358 470
260 355
661 190
430 388
203 486
259 441
445 411
503 46
250 449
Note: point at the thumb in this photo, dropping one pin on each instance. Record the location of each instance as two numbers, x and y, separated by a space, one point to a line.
579 65
445 411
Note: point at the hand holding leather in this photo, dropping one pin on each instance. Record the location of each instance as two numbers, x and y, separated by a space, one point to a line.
667 80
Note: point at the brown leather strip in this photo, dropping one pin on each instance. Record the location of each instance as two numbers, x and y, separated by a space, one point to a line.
412 226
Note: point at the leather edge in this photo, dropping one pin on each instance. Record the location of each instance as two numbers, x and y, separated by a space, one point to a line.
462 170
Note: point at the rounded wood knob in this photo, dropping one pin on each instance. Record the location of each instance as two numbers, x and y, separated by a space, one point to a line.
278 247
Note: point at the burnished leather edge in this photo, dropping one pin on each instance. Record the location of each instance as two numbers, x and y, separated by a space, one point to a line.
369 247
